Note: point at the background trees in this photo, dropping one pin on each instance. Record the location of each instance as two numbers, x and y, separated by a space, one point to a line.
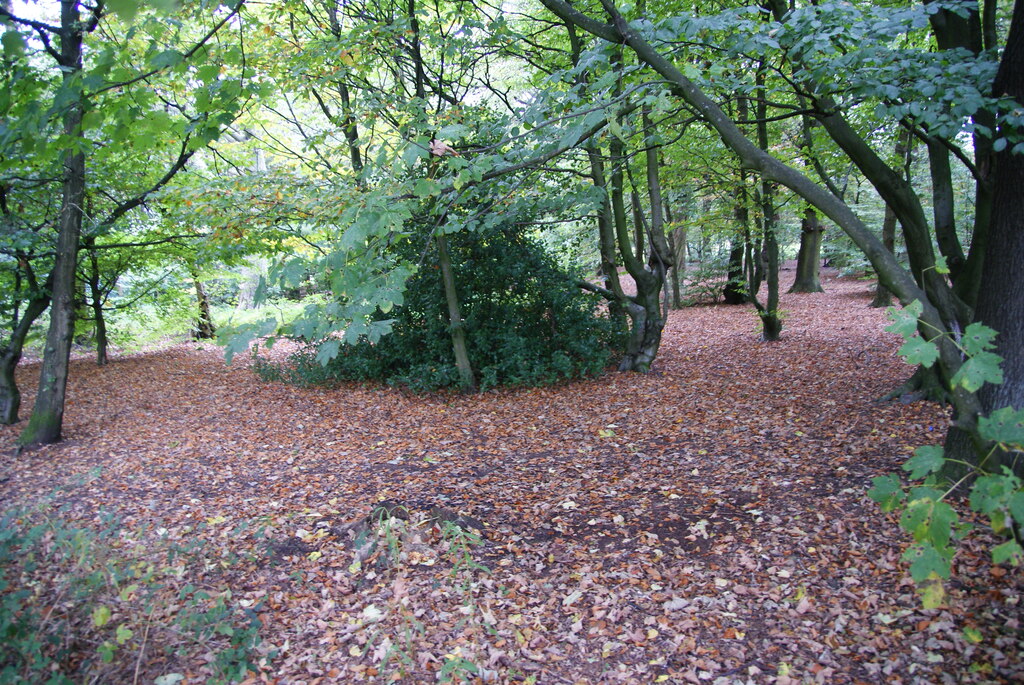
108 113
364 144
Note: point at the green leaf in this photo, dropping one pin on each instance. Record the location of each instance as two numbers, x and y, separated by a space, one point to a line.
917 350
915 518
106 652
941 524
101 616
1016 507
927 560
927 459
124 9
1005 426
571 137
977 370
453 132
932 592
1008 551
238 339
167 58
327 351
165 6
904 321
413 152
425 187
992 493
940 264
930 520
972 635
887 491
976 338
616 129
14 44
124 633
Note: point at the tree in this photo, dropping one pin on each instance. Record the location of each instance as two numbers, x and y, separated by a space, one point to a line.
901 282
120 113
808 260
1000 303
47 415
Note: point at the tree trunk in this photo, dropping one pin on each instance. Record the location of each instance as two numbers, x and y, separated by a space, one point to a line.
904 150
467 382
101 333
605 217
46 422
883 298
677 243
966 29
10 396
205 330
10 356
943 208
733 290
645 330
638 222
606 240
96 301
771 321
1001 296
808 261
643 309
677 299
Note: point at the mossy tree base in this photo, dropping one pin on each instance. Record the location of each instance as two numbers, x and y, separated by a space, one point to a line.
43 428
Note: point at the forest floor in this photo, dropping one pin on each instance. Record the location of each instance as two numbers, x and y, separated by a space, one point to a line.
706 522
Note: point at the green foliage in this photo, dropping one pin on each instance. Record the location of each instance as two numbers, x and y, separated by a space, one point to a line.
927 459
705 284
526 324
999 496
1004 426
78 605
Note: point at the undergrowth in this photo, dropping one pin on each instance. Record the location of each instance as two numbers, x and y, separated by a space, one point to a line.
93 604
391 545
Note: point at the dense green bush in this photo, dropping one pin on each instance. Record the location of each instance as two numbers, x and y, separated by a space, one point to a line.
527 324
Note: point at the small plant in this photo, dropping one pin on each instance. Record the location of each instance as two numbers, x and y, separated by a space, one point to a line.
704 286
391 540
997 494
457 667
81 605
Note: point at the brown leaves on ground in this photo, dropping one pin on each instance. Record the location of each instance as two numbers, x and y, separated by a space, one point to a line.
706 522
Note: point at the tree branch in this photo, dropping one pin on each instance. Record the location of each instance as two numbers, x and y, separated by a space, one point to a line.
183 156
188 55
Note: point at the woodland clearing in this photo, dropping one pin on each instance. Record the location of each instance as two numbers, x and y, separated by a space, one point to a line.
705 522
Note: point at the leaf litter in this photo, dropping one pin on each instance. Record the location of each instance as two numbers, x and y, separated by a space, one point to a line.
706 522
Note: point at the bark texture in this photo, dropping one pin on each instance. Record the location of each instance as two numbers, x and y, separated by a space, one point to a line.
808 260
10 356
467 381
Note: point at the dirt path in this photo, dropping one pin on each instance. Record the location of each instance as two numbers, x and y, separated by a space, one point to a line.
704 523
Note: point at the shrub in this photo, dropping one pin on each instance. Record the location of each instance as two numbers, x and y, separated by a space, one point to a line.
527 324
704 285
